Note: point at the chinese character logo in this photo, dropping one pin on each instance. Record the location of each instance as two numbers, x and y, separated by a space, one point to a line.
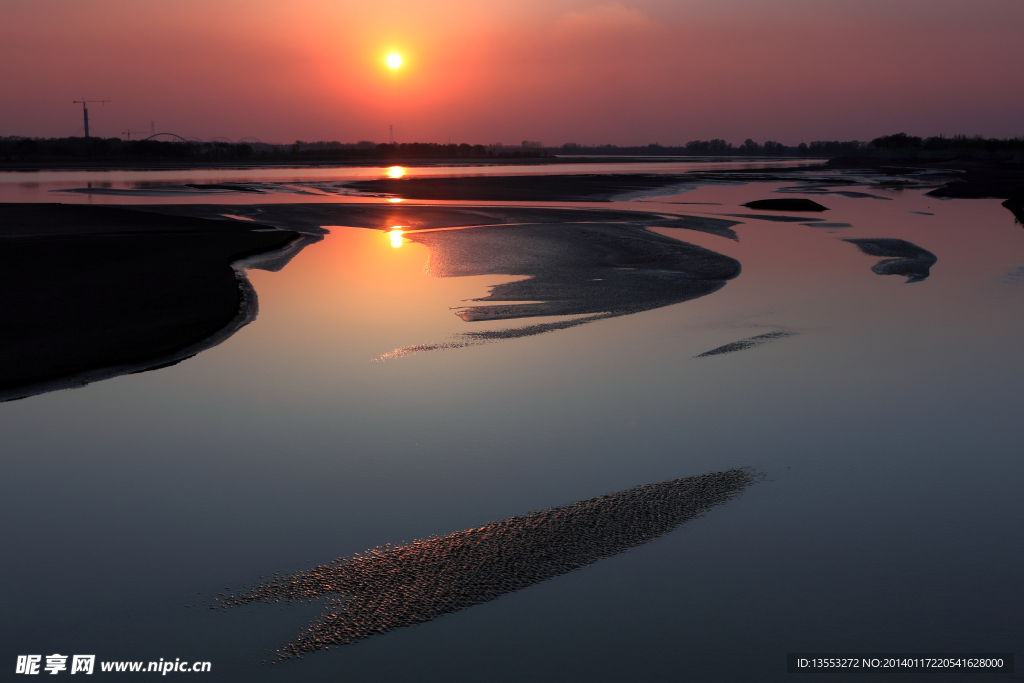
28 664
56 663
83 664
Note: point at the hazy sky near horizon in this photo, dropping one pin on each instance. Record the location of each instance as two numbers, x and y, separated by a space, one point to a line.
557 71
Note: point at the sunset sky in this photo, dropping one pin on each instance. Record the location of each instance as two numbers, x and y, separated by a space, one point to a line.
557 71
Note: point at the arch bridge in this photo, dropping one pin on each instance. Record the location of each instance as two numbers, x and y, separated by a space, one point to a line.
175 137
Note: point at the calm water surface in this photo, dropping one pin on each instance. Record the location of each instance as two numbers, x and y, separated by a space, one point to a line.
888 427
282 184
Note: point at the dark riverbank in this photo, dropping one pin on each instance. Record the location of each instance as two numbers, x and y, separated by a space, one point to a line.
94 292
1016 204
969 178
983 182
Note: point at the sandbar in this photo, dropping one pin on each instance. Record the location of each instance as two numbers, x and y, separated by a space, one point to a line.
93 292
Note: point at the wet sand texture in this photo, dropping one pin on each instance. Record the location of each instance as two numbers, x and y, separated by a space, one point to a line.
576 187
794 204
395 586
748 343
901 257
773 219
582 262
95 292
859 195
312 218
576 268
521 188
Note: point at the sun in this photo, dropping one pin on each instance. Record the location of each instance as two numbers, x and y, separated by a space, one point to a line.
394 60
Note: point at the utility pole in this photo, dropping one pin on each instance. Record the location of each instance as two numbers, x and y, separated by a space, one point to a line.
391 134
152 128
85 111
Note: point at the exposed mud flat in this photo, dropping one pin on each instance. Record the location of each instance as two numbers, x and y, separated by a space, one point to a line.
578 187
748 343
317 218
576 268
787 204
982 182
547 188
392 587
97 292
578 262
902 257
958 178
858 195
773 218
93 292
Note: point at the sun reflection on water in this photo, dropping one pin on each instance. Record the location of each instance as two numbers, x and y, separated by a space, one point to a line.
395 200
396 236
396 171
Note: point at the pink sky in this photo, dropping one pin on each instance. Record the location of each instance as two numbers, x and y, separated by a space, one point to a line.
481 72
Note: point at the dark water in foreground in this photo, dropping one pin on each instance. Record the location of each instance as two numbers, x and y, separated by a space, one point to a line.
882 415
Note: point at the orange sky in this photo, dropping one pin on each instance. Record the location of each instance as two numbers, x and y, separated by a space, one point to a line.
482 72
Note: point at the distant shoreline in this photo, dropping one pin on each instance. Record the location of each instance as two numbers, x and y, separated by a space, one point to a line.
979 178
121 165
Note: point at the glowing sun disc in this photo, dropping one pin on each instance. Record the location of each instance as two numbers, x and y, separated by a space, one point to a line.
394 60
396 171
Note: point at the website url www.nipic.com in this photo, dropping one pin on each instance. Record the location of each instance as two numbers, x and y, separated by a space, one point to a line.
86 664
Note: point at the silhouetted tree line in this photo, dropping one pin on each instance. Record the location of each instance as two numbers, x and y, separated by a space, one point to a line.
21 149
833 148
942 143
116 149
718 147
327 151
817 148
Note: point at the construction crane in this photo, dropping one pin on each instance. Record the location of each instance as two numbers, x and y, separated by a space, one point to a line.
85 110
130 131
